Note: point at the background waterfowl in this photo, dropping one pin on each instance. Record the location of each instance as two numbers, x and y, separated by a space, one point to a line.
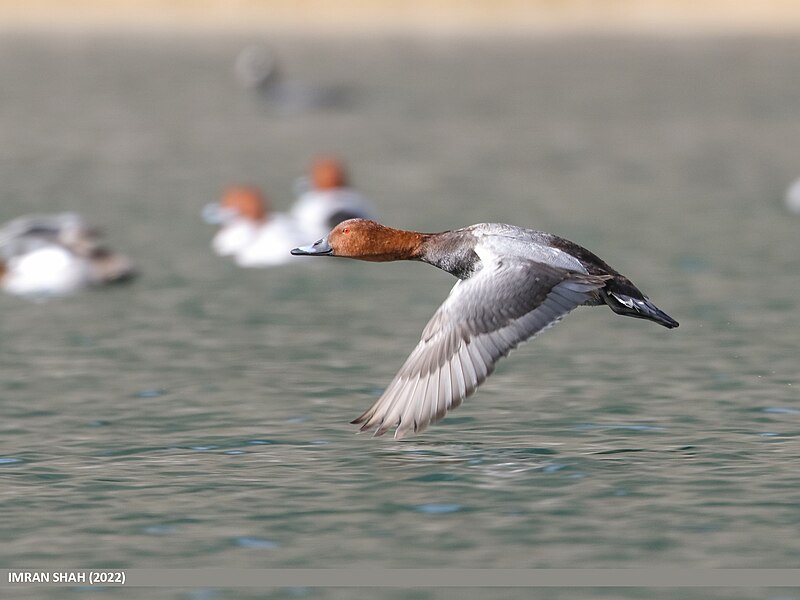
326 198
792 197
57 254
250 231
258 67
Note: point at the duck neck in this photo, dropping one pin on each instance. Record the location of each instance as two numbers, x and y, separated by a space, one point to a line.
395 244
450 251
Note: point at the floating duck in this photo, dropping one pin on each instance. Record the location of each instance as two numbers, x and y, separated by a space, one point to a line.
52 255
326 198
257 68
250 231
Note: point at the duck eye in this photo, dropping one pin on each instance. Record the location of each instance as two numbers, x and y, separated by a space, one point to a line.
346 230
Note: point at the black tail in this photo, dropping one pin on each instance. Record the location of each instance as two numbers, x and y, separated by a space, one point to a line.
637 306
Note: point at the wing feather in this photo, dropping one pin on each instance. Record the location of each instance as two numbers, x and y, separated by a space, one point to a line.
481 321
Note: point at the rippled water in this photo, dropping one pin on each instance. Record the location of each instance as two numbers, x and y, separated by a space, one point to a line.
200 416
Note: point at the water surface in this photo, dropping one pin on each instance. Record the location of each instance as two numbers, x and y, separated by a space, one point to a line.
200 416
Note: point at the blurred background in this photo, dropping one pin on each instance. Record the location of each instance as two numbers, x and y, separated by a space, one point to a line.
413 16
198 415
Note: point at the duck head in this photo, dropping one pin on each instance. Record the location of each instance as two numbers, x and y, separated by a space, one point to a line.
328 173
364 239
238 202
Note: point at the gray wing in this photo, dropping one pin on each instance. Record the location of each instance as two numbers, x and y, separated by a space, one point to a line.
30 232
482 320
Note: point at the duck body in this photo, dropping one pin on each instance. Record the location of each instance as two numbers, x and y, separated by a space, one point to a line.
256 245
496 242
512 284
45 271
271 244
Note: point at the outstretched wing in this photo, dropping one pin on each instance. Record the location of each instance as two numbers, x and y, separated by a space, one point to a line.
482 320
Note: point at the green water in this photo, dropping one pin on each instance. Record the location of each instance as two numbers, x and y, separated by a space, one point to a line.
199 417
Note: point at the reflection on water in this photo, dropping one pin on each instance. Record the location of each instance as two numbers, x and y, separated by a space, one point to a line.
200 416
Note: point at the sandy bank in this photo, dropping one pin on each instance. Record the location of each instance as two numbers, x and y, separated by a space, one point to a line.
416 16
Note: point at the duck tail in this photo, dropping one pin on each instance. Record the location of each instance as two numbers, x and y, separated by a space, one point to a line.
636 305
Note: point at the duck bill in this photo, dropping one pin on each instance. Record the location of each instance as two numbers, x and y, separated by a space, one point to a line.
318 248
214 214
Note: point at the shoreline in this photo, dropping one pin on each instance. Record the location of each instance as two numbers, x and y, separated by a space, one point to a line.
445 17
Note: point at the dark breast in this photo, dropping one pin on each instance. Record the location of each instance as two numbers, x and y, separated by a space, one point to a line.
452 251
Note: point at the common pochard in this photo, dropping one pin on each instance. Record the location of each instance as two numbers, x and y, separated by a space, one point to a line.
250 232
326 199
512 284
